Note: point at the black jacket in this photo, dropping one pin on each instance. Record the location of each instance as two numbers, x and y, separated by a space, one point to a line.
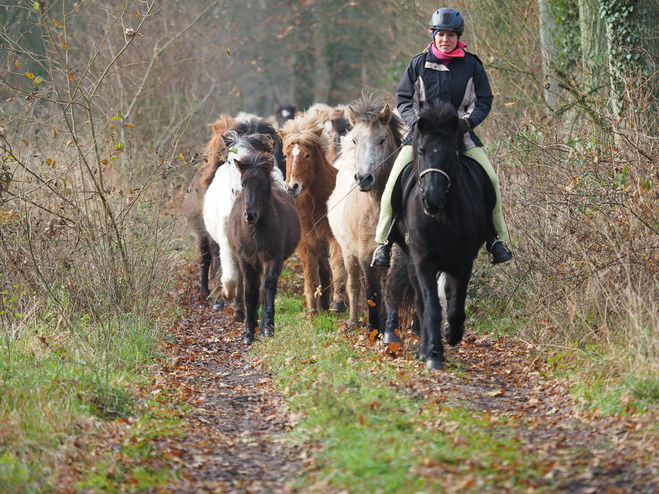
463 82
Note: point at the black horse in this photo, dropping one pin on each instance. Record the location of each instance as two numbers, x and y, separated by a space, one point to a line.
263 231
445 220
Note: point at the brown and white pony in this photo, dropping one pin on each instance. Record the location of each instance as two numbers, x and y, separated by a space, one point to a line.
193 201
310 179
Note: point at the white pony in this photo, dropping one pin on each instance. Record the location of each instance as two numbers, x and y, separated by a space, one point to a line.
218 201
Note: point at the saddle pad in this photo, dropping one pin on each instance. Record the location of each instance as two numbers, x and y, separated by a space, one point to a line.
479 175
402 189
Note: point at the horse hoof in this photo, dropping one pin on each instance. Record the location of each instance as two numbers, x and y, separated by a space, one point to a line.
239 316
435 364
391 337
339 307
268 332
218 305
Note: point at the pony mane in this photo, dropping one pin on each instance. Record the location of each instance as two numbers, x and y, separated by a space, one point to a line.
440 113
215 149
347 156
367 110
258 160
255 126
307 130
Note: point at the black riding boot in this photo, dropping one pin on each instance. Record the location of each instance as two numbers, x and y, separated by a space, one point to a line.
500 252
381 256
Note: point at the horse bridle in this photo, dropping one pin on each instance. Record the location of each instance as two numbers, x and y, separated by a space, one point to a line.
435 170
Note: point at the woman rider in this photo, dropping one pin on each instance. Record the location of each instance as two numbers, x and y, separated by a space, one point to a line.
449 74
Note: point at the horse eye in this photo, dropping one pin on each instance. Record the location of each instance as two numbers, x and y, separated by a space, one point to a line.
354 142
307 156
242 184
263 187
382 142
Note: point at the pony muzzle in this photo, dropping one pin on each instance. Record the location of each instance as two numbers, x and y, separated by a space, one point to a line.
294 190
251 216
365 182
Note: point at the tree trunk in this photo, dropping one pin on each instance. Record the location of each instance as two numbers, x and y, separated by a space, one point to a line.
593 47
549 51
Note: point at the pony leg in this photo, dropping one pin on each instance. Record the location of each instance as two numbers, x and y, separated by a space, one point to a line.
373 296
239 301
325 281
354 287
311 277
230 272
454 328
339 274
218 302
269 290
206 260
432 314
251 280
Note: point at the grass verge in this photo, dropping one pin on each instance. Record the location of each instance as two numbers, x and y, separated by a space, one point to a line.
376 437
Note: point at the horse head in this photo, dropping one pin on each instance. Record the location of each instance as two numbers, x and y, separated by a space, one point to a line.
437 144
304 141
376 135
255 169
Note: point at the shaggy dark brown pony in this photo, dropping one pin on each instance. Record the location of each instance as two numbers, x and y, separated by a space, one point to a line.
310 179
263 231
193 201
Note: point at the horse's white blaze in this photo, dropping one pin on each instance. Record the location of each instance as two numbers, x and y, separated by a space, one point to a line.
295 153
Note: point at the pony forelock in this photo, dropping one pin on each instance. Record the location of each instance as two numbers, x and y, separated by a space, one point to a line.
307 130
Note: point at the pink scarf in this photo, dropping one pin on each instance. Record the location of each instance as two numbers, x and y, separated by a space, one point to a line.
447 57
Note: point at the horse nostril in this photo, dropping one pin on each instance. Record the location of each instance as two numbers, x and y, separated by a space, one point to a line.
250 217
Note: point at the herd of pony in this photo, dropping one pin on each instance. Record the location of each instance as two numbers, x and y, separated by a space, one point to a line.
313 181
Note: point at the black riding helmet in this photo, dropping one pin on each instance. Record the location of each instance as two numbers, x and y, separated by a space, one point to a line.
447 20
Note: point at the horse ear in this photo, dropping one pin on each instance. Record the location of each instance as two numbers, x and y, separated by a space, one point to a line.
352 116
240 165
277 108
385 114
226 139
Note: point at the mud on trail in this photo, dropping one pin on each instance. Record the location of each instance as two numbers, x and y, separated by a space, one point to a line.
232 431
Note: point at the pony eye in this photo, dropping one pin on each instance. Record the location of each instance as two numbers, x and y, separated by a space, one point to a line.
242 184
354 142
307 156
382 142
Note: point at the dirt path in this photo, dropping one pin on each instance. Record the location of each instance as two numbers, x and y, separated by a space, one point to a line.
235 443
578 451
234 422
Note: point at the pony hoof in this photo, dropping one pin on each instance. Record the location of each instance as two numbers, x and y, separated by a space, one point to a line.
391 337
239 316
339 307
248 339
268 332
218 304
435 364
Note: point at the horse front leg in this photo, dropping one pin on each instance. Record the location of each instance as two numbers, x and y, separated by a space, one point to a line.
455 313
354 288
432 314
252 286
325 281
218 302
206 260
311 277
339 274
373 296
269 290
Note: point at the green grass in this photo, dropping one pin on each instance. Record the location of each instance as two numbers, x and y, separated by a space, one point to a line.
50 375
375 436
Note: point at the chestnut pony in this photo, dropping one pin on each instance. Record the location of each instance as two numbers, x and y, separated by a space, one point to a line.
310 179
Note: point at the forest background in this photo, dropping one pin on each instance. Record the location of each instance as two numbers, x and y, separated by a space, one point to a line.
104 114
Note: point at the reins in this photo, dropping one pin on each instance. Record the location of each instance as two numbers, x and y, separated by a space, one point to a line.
406 141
